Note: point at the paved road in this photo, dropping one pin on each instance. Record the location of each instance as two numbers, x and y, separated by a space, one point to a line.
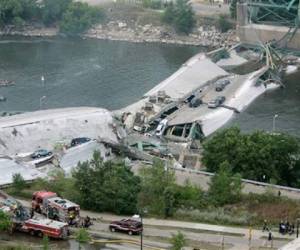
201 8
234 237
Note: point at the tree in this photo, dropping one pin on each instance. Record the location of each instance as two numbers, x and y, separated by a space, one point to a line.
107 186
181 16
224 187
53 10
18 183
79 17
5 222
158 189
16 11
232 8
259 156
178 241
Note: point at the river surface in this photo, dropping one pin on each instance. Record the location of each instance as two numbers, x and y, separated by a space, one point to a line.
113 74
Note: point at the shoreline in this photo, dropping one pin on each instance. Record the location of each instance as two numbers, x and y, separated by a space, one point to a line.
119 31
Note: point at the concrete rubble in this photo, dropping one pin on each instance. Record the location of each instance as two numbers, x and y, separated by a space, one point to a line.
166 122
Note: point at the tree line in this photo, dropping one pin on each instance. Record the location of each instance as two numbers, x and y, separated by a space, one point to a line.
71 17
260 156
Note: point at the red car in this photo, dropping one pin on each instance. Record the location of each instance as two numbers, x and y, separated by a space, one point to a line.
129 226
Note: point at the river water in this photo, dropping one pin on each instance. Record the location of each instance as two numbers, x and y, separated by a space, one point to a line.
113 74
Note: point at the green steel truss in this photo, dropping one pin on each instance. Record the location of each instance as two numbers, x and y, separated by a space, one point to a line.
275 12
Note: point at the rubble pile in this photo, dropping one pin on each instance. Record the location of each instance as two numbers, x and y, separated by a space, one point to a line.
203 36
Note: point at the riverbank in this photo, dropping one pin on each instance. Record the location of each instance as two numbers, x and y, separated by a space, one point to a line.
207 36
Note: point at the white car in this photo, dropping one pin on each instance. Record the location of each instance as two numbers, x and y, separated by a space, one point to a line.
161 127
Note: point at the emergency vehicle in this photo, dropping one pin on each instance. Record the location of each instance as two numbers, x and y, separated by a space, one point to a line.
54 207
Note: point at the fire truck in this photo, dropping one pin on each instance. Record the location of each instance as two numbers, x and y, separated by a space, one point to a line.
41 227
54 207
21 221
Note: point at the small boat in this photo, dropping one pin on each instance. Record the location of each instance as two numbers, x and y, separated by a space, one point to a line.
5 83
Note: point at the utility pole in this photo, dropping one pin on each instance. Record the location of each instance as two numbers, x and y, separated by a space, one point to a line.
274 120
142 231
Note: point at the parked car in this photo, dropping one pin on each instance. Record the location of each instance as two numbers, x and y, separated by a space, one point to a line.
129 226
79 140
40 153
220 85
216 102
195 102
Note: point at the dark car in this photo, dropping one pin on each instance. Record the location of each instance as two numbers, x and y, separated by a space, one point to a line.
222 84
217 102
129 226
40 153
195 102
78 141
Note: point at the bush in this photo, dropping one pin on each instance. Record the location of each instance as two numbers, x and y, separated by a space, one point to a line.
178 241
224 188
224 24
82 236
5 222
181 16
152 4
18 183
79 17
190 196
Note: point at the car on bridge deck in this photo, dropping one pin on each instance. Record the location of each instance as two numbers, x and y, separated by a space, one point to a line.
216 102
40 153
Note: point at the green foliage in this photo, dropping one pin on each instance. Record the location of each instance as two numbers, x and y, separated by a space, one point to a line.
53 10
152 4
212 215
158 189
258 156
181 15
106 186
224 188
178 241
5 222
18 183
82 236
232 8
189 196
79 17
224 24
45 242
16 11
